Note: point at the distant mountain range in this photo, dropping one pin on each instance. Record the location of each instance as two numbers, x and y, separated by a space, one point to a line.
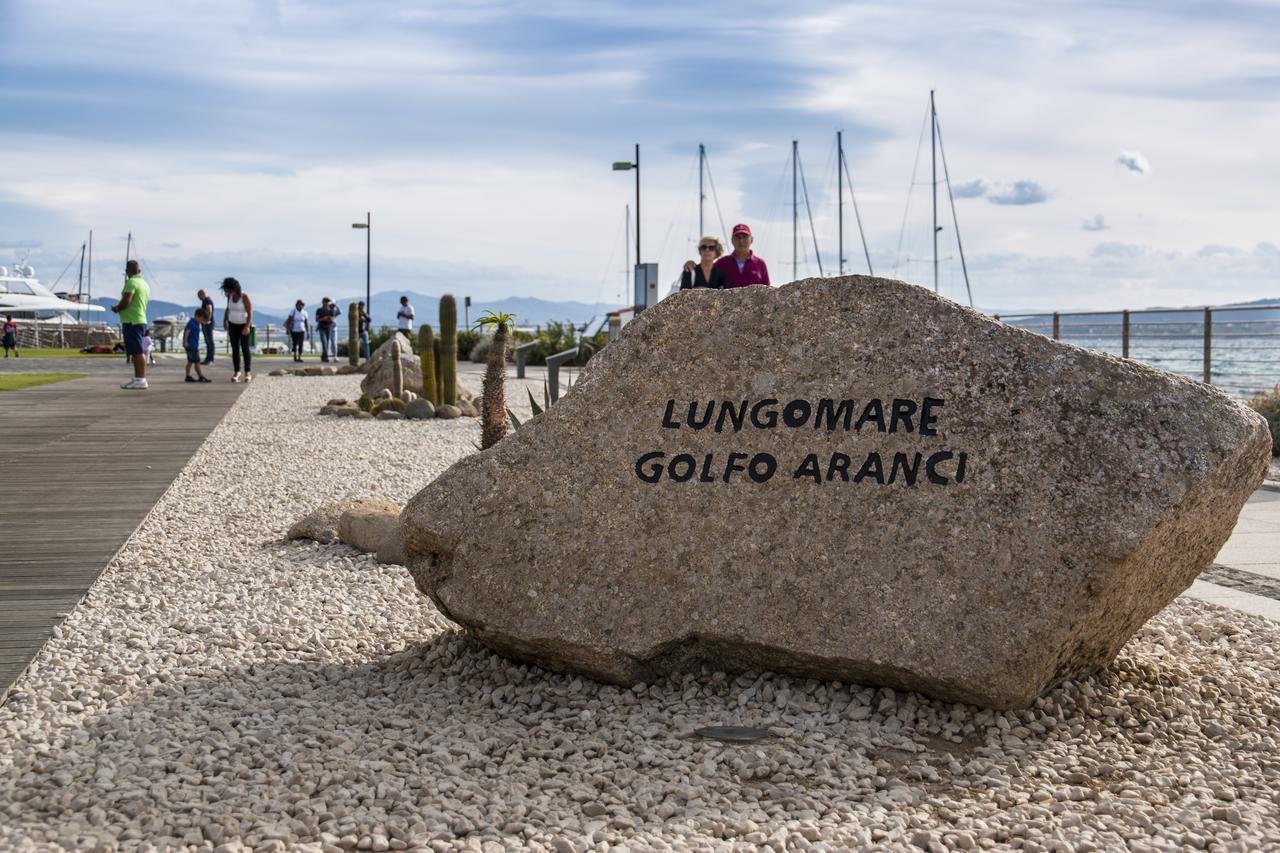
528 311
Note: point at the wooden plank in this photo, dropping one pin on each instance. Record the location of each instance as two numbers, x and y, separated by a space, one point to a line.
77 484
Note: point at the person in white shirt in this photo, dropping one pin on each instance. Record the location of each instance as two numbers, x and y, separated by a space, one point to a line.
405 317
297 324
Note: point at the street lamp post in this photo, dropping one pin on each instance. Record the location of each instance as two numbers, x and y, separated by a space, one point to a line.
367 225
622 166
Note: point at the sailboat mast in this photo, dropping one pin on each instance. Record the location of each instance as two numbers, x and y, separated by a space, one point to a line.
933 146
90 265
795 211
840 197
80 281
702 195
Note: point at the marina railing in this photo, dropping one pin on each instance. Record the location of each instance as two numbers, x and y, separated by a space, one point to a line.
1235 348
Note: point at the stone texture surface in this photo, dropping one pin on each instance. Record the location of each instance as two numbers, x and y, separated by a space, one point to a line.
321 524
420 409
389 415
371 526
448 412
1093 491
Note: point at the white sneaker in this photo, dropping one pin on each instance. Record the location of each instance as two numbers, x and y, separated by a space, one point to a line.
248 377
235 378
135 384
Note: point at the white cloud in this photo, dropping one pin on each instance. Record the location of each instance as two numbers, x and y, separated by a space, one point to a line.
1095 223
999 192
1134 162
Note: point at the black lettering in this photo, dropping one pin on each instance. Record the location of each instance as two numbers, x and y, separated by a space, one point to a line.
772 415
732 465
736 418
765 461
909 472
839 465
902 412
964 457
874 411
927 417
833 413
872 467
654 474
931 466
705 476
693 415
685 461
809 468
667 422
796 413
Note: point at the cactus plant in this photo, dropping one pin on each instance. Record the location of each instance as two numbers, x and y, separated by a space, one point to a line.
439 398
449 347
365 403
493 408
391 405
427 358
353 334
397 370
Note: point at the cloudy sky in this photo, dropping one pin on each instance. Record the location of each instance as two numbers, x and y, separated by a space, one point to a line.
1102 154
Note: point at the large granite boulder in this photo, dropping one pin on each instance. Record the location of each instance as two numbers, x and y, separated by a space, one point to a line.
378 374
848 479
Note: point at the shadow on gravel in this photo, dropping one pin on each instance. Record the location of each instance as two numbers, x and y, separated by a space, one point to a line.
447 738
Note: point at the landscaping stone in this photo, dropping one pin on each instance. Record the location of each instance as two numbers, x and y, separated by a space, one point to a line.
321 524
347 412
312 371
339 401
420 409
361 414
850 479
329 371
389 415
467 409
370 525
448 412
279 371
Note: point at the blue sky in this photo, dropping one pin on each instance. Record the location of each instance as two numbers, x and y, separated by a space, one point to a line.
1104 154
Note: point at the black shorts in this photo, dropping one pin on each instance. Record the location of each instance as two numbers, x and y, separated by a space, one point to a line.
133 333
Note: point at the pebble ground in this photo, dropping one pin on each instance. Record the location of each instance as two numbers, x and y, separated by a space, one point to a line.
221 689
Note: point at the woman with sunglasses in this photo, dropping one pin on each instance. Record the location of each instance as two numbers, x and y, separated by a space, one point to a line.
703 272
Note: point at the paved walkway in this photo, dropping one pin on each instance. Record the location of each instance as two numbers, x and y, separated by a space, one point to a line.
82 463
1246 573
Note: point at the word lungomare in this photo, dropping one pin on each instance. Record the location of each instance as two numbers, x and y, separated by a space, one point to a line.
941 468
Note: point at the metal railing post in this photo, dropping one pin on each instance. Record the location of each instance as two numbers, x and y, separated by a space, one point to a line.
1208 345
1057 328
1124 334
553 370
522 356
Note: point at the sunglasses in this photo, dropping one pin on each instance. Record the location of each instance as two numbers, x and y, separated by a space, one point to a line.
706 248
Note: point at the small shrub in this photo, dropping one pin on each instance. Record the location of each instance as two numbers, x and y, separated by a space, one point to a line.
391 405
1268 405
466 343
480 351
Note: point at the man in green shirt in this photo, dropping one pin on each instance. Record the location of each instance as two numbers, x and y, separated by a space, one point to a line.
132 309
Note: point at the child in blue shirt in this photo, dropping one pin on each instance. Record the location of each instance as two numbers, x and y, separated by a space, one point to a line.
191 343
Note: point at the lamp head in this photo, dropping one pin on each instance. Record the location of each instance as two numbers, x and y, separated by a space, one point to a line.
623 166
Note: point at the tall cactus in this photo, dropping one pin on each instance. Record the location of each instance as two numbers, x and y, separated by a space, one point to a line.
493 416
449 347
439 400
427 358
397 370
353 334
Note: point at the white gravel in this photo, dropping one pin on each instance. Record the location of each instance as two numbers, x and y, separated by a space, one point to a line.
220 689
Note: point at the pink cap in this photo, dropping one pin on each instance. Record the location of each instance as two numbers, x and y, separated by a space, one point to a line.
741 229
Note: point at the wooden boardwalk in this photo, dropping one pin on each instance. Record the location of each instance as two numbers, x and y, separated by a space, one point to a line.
81 464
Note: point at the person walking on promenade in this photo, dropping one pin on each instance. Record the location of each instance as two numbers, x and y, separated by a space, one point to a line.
326 324
11 337
191 343
132 309
364 322
206 328
704 272
743 268
238 321
405 317
297 324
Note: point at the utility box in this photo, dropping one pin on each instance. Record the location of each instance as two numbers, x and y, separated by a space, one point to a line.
646 286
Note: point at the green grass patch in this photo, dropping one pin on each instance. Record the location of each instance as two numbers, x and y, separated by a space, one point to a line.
17 381
55 352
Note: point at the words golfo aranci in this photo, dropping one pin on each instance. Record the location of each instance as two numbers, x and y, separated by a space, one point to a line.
930 465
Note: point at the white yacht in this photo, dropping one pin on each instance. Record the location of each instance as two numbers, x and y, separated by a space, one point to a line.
22 295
